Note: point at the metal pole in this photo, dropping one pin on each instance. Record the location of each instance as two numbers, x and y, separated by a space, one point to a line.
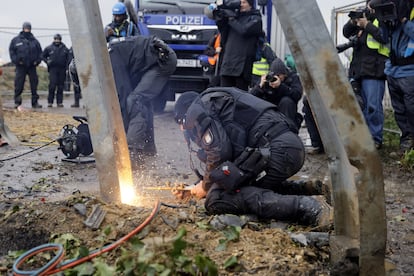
99 91
5 133
347 140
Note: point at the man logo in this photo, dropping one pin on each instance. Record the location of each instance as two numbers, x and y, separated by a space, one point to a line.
186 37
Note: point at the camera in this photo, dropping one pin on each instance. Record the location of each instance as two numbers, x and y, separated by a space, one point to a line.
359 13
386 12
222 8
353 41
270 77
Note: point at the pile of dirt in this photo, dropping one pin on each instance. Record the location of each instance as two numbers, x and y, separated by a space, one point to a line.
261 249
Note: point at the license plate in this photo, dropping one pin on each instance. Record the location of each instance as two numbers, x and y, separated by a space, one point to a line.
187 63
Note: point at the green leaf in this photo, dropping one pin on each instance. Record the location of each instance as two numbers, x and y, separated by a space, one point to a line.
203 225
232 233
102 269
230 262
206 265
136 243
107 230
222 245
83 269
83 252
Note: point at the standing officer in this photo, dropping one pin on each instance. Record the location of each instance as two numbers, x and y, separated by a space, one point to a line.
26 53
250 149
141 67
56 56
120 26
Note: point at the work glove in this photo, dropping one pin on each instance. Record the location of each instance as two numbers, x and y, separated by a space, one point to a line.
109 31
162 49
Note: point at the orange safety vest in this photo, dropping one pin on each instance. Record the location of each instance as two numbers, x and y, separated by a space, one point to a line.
212 60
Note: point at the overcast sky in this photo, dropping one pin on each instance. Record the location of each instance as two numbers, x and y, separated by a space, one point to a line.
50 14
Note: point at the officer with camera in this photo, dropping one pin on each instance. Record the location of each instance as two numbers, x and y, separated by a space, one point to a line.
251 149
240 26
397 18
366 71
283 88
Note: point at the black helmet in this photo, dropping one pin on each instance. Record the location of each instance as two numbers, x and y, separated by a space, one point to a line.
57 37
182 104
27 25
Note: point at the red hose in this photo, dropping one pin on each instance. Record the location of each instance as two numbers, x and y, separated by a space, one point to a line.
52 267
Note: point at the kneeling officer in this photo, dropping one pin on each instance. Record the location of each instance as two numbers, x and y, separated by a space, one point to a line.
251 149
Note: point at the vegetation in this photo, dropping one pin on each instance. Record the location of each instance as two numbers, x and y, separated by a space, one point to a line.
7 80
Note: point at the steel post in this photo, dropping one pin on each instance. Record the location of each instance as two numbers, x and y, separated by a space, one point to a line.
99 92
5 132
356 170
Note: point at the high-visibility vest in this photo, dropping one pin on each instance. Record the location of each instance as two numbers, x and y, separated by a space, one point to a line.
373 44
261 67
212 60
409 51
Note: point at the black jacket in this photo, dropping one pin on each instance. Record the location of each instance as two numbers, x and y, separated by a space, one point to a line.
131 59
366 62
239 42
56 55
25 50
224 121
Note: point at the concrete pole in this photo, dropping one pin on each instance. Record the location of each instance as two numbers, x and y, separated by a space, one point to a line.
99 92
5 133
358 190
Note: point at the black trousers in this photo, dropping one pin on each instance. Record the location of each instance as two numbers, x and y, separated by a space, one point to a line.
20 78
57 76
313 131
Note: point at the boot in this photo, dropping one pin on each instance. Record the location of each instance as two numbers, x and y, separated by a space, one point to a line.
75 105
304 187
36 105
315 211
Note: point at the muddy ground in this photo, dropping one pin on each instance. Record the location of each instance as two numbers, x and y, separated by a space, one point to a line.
42 196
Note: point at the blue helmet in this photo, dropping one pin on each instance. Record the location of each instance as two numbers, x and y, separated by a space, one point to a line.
118 9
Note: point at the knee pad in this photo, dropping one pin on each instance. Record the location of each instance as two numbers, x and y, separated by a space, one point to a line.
218 201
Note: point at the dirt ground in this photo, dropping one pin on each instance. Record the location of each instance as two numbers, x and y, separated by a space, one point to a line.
42 196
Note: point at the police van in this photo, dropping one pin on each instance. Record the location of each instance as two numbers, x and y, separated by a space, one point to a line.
183 25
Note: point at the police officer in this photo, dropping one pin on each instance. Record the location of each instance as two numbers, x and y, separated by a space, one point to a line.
56 56
26 53
75 79
250 149
282 88
120 26
141 67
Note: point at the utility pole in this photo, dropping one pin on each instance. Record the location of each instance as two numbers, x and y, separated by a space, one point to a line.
5 133
102 104
354 163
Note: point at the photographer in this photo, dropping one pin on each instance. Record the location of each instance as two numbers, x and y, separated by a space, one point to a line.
282 88
240 26
366 71
397 19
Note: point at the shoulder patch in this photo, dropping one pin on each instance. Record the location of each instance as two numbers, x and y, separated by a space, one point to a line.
208 137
